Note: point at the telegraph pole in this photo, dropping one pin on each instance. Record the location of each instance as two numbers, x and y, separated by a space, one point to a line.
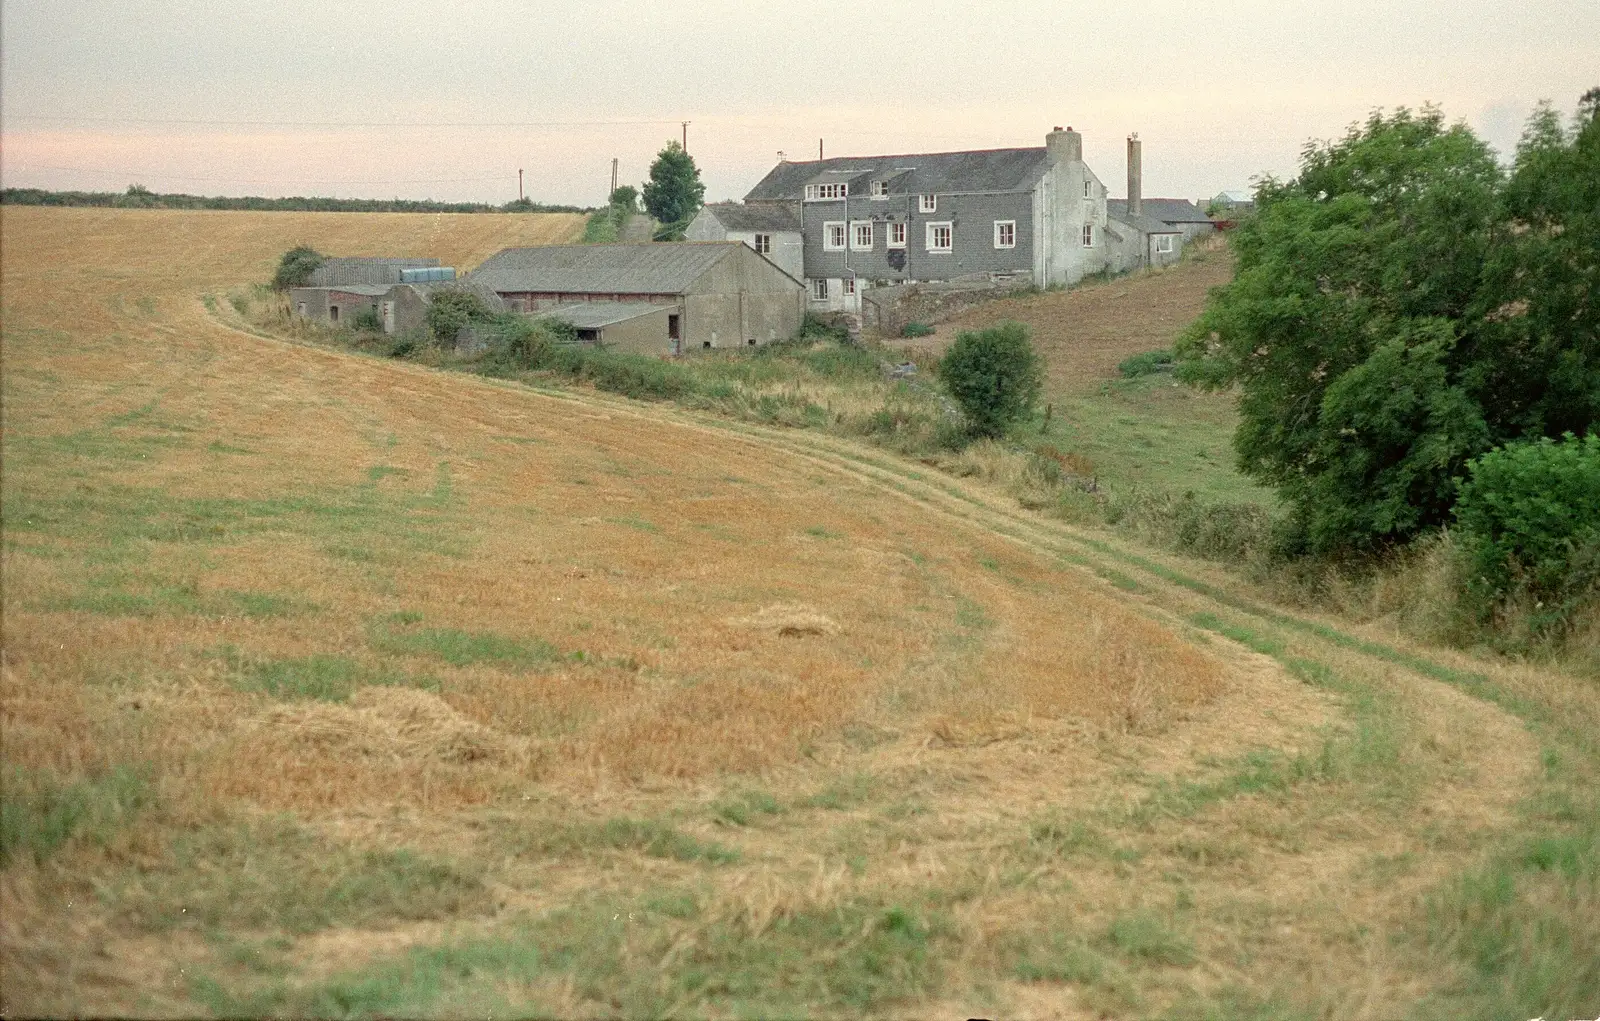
685 136
519 184
613 176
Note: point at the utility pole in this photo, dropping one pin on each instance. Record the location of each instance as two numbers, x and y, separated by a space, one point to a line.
819 148
519 184
613 176
685 136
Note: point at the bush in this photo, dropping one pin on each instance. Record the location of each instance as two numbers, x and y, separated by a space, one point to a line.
1146 363
450 310
916 330
625 197
368 321
994 375
1529 522
296 267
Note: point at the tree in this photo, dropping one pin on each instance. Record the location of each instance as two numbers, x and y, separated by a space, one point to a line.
1397 310
674 192
994 375
627 197
296 267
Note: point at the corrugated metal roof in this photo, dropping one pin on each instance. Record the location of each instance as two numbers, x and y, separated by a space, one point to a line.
363 270
649 268
365 290
981 170
594 315
1165 210
773 216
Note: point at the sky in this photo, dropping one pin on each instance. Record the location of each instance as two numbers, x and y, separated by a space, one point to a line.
449 100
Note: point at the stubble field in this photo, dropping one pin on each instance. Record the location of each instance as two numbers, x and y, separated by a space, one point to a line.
336 686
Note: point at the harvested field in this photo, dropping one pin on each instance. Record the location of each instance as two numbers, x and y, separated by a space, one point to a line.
338 686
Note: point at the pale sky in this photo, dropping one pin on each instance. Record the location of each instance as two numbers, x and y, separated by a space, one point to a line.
447 101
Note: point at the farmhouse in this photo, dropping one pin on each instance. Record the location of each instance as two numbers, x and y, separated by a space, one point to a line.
1134 239
712 293
772 229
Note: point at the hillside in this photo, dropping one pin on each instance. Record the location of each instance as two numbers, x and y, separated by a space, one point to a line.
334 685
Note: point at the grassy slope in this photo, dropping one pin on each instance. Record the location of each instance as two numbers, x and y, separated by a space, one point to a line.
546 737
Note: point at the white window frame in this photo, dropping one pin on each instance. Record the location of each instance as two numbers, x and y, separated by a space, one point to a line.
827 192
933 228
763 244
1088 235
827 235
1000 228
1088 188
927 203
1163 243
880 189
857 227
896 227
847 286
819 289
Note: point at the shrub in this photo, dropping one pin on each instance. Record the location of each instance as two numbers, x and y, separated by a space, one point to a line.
368 321
916 330
625 197
1529 522
994 375
296 267
1146 363
450 310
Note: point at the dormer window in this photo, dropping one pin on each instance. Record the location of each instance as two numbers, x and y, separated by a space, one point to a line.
824 192
927 203
880 189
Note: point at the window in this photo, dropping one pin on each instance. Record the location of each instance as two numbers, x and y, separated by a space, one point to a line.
1088 189
673 332
939 237
833 236
1163 242
880 189
764 244
1005 233
849 285
819 289
897 236
927 203
823 192
1088 235
861 235
333 313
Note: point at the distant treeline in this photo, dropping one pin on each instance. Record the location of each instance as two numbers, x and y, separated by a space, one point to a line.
138 197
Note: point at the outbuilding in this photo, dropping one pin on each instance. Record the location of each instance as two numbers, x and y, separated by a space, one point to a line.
771 228
713 294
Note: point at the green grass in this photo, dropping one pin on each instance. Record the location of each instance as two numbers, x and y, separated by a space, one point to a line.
323 677
39 813
743 808
649 837
1145 935
631 960
397 636
272 875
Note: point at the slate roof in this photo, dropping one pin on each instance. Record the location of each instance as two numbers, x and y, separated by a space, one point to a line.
594 315
1165 210
945 173
1146 224
647 268
773 216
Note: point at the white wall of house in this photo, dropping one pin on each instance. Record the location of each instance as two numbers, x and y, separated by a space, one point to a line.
1068 199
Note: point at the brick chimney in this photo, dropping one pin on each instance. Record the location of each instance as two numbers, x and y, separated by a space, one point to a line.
1135 177
1065 145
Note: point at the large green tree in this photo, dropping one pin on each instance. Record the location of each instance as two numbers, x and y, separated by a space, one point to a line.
1403 306
674 194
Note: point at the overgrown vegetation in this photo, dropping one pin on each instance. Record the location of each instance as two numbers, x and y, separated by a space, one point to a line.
296 266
